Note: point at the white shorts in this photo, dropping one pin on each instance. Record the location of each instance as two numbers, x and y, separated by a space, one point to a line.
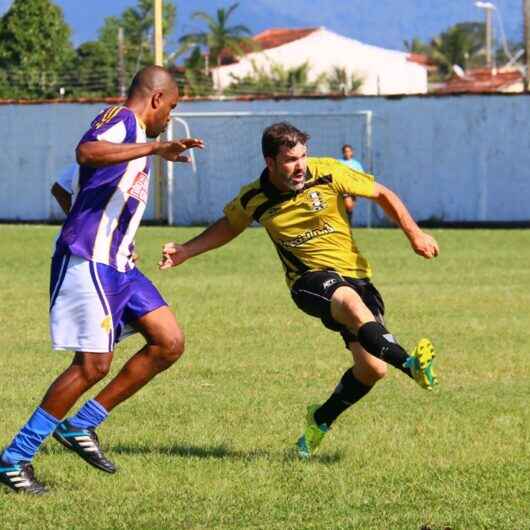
93 306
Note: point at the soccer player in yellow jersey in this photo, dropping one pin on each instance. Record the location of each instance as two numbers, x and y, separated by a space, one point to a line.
299 202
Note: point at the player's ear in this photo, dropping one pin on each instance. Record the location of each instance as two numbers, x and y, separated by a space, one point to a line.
156 100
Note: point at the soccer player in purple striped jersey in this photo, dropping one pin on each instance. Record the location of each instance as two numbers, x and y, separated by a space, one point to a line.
97 295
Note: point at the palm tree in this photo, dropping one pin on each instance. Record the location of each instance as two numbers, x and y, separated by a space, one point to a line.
462 44
219 36
340 82
275 79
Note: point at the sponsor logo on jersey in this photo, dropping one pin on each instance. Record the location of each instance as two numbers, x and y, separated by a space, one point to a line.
307 236
140 187
317 203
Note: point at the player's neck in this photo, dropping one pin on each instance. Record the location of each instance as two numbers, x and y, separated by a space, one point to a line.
138 107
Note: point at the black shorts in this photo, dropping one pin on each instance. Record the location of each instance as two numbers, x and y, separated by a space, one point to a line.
312 293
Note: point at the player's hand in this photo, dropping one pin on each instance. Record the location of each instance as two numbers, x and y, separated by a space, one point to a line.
135 257
424 244
173 150
172 255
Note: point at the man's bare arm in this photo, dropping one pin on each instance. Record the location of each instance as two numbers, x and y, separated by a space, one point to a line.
102 153
62 197
422 243
216 235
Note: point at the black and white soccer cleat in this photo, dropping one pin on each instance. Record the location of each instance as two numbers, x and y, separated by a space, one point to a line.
20 478
85 443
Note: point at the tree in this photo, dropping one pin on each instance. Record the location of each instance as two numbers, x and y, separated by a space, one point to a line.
462 45
276 80
95 71
34 49
198 82
339 81
97 61
219 36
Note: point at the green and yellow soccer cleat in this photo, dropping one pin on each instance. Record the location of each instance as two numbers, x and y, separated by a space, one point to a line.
420 364
308 443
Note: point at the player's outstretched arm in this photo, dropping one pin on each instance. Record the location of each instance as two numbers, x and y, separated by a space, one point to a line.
423 244
216 235
102 153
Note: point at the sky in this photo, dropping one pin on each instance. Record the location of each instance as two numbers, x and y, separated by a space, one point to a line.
384 23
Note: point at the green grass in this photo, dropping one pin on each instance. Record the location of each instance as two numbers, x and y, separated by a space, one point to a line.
209 444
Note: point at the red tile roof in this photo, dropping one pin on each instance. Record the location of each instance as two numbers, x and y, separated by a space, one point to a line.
421 58
481 80
274 37
270 38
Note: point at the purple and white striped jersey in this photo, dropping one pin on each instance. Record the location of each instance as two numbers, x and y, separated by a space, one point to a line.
109 202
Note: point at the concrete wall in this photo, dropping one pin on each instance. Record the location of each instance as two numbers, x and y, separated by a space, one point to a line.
451 158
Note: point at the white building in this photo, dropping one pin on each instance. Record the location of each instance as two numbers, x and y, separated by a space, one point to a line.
383 71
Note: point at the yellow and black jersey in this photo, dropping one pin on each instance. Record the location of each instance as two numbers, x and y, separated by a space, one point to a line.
309 228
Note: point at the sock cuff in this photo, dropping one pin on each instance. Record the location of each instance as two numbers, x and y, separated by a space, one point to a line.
371 327
98 406
350 385
47 416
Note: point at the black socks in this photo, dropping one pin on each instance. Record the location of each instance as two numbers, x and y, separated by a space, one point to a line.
378 341
348 392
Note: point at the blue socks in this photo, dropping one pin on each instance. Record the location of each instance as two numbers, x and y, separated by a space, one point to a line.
28 440
90 415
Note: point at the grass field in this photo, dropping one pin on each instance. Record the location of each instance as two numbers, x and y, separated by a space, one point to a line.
209 444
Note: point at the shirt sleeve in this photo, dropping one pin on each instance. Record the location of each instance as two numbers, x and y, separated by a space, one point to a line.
238 217
351 181
115 124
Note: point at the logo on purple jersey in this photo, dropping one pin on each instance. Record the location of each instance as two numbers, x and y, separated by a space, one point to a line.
140 187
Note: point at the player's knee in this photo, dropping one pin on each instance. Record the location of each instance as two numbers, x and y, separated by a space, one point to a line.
377 371
171 348
96 370
372 372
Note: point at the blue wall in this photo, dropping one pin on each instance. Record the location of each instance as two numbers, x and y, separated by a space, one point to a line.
451 159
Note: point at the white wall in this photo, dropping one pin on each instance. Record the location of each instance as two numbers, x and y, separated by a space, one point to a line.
451 159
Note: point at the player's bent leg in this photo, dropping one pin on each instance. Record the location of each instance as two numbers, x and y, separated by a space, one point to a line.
353 386
86 370
349 309
165 345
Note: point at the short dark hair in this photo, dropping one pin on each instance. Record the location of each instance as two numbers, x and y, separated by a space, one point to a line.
151 78
347 146
279 134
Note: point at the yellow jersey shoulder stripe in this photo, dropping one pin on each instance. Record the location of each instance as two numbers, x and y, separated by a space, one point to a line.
108 115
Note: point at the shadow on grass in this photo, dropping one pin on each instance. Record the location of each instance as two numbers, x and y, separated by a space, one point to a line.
189 451
221 452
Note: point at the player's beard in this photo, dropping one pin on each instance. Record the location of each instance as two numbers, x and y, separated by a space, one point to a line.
295 182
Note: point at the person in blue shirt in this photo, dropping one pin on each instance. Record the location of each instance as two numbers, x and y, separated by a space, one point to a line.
348 160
